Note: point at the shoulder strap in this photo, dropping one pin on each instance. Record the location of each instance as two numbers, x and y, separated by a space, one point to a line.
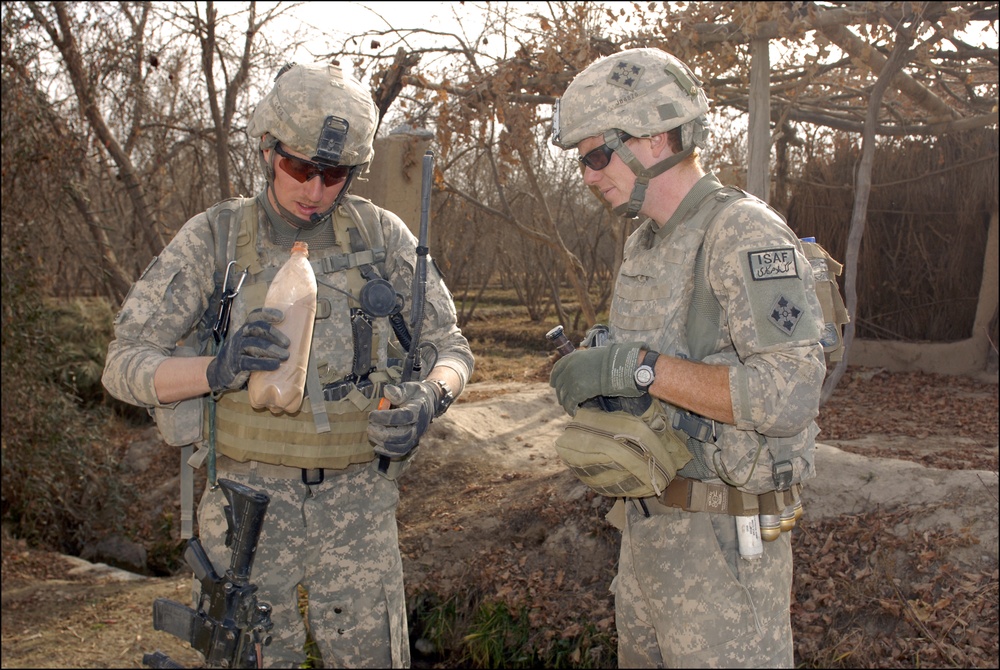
704 323
368 224
704 311
227 236
220 221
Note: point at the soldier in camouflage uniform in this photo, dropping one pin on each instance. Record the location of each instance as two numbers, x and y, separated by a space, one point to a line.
330 527
743 394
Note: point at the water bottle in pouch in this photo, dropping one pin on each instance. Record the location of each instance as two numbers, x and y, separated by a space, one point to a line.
293 291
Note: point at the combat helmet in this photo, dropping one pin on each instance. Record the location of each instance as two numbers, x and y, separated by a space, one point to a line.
320 112
641 92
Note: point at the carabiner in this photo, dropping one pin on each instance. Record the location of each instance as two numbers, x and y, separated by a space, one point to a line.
221 327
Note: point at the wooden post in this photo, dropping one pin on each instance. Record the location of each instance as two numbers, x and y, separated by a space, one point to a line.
394 179
759 136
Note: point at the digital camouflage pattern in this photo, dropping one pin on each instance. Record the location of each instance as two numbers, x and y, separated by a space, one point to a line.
776 369
684 598
339 538
640 91
165 304
351 515
317 88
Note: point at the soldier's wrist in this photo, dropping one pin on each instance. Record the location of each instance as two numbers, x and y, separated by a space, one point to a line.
445 396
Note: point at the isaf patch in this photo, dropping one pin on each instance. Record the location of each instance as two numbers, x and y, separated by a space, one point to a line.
784 314
777 263
625 75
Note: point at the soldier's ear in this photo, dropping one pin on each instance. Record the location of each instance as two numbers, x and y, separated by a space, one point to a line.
659 145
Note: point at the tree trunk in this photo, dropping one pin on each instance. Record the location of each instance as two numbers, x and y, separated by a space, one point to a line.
862 192
574 269
75 67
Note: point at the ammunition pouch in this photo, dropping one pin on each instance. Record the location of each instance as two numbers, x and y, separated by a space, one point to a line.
619 454
182 423
835 313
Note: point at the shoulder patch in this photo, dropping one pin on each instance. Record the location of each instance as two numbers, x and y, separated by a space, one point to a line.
774 263
785 314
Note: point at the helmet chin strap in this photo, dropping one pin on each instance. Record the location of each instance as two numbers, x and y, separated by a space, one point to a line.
642 174
315 219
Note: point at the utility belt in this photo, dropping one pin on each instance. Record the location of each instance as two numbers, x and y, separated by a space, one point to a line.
355 396
309 476
778 510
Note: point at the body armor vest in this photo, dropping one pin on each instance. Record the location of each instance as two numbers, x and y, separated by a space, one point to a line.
244 433
648 291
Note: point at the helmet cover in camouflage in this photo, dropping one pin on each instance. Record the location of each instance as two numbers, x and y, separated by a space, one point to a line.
640 91
320 112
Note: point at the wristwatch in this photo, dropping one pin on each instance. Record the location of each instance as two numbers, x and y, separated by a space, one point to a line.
447 397
645 374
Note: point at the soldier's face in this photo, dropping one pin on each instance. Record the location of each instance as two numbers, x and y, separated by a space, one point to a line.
614 181
302 198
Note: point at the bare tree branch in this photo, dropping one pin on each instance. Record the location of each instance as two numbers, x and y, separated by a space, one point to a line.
64 40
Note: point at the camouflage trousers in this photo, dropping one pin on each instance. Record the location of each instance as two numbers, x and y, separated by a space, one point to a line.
338 540
685 599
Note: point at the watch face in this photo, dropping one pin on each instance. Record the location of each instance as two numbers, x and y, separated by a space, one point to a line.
643 376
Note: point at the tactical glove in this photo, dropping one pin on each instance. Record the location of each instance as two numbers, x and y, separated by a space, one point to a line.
395 432
597 371
257 345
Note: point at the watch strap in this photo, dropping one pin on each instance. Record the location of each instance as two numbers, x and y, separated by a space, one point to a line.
649 360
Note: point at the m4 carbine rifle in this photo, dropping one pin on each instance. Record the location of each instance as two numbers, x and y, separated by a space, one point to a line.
230 627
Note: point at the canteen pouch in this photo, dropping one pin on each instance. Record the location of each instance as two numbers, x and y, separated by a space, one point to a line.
619 454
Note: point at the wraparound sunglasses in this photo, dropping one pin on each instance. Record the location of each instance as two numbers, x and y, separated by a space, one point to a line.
302 170
598 159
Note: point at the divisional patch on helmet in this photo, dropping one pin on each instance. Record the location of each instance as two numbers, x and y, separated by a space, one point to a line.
625 75
785 314
777 263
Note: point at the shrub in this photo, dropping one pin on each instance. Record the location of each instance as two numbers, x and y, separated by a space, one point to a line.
60 486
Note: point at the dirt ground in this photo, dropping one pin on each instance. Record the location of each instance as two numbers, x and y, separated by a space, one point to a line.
896 556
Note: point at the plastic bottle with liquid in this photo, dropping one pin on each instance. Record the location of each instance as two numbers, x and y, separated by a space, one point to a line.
293 291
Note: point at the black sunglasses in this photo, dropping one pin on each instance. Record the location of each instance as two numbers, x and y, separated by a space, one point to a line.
302 170
598 159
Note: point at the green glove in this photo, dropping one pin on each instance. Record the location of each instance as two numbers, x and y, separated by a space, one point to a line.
598 371
396 432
